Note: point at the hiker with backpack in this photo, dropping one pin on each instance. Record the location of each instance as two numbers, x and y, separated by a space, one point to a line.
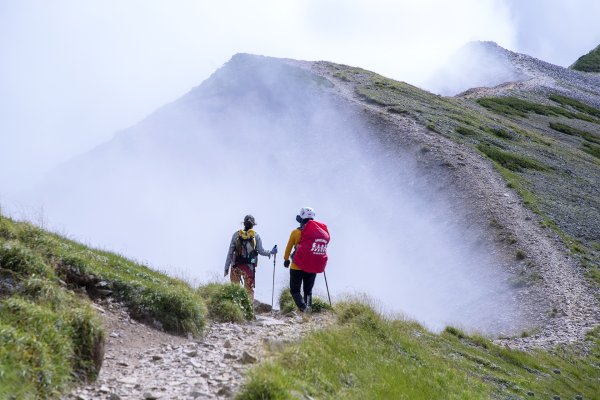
242 256
310 242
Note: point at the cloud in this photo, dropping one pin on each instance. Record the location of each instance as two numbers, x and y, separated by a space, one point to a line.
72 73
557 31
265 138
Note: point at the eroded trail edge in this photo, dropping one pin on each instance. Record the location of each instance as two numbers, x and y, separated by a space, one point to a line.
145 363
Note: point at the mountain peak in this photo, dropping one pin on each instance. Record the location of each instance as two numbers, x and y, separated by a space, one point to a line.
480 67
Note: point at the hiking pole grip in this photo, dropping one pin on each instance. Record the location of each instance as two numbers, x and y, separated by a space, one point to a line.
327 286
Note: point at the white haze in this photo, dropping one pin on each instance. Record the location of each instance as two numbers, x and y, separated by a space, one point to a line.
477 64
172 190
73 72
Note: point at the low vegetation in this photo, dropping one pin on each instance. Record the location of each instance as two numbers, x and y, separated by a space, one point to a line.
589 62
516 107
591 149
512 161
286 302
49 334
569 130
366 356
466 131
287 305
576 104
227 302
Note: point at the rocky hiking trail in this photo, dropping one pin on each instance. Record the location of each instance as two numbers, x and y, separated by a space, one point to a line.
141 362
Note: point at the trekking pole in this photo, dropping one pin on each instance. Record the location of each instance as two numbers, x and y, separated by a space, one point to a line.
327 286
273 290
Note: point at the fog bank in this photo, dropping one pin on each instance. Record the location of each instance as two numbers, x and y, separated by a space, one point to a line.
267 138
73 72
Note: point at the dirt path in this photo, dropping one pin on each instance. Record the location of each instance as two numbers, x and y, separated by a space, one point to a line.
144 363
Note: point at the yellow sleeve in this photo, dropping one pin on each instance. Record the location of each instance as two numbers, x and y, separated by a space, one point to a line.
294 239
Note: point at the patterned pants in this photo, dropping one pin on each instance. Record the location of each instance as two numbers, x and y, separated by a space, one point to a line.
243 273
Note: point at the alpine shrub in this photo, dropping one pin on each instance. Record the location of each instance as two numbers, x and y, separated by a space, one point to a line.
591 149
513 106
262 389
466 131
21 260
319 305
286 302
569 130
227 302
511 161
576 104
178 310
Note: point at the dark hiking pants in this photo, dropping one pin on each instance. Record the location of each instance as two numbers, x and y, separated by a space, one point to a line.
306 280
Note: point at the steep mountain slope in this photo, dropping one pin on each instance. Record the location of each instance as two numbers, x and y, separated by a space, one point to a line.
474 242
540 163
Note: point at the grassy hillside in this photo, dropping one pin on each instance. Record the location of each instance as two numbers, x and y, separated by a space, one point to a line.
589 62
547 147
367 357
49 333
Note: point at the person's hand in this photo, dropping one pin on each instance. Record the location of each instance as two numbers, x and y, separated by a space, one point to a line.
226 271
286 263
274 251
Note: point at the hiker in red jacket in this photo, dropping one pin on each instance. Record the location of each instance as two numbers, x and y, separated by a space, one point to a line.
310 241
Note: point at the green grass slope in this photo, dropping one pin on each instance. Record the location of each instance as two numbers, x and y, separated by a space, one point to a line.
367 357
589 62
50 337
546 146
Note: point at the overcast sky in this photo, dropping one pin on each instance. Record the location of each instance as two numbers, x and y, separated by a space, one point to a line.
74 72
